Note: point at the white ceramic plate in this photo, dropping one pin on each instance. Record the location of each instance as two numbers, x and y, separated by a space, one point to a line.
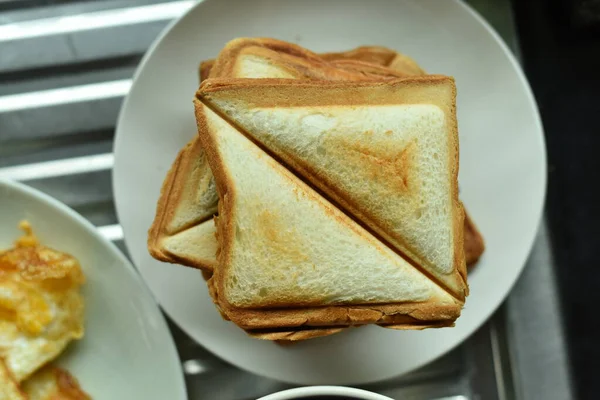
502 170
127 342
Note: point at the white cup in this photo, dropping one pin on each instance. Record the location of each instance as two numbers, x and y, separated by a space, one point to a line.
341 391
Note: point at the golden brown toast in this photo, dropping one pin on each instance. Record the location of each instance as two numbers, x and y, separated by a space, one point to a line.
318 238
375 172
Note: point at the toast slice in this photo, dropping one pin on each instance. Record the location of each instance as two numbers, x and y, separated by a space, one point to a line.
372 57
309 265
385 153
183 229
256 57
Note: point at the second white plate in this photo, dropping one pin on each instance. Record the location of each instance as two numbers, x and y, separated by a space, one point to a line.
502 178
127 340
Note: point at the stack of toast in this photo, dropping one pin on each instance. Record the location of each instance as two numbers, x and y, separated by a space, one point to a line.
320 192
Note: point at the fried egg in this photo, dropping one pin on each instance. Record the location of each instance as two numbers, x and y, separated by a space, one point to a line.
9 390
41 307
52 383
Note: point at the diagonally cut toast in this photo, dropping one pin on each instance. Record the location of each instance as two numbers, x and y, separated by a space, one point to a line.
311 265
385 153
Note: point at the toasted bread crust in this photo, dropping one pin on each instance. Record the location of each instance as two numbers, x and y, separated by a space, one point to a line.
205 68
405 64
288 336
277 93
408 315
378 55
474 243
368 70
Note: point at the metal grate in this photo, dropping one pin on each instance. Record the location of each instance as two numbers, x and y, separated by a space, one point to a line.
65 67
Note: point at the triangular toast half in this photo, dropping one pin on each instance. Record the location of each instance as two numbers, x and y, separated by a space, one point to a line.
385 153
289 258
183 227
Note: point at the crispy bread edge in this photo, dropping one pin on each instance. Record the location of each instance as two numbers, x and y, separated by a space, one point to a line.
367 70
288 336
458 209
225 191
474 242
404 63
372 54
205 68
409 315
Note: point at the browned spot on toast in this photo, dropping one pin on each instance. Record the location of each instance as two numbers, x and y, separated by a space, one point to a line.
281 238
396 168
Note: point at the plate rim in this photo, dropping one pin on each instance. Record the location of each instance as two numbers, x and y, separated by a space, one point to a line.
66 212
529 95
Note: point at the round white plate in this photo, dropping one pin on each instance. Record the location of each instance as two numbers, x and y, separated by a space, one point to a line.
502 166
127 341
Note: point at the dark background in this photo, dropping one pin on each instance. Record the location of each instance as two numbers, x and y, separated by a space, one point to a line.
560 43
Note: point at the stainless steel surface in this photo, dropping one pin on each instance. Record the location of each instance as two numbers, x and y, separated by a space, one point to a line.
64 70
536 334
